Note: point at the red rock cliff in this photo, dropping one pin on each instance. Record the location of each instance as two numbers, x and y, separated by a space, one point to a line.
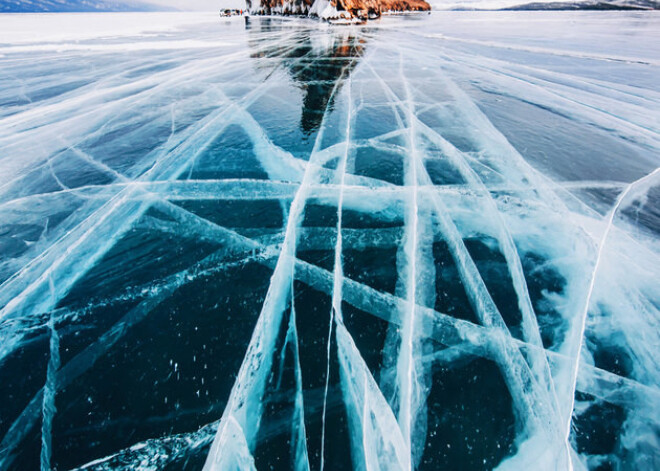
335 8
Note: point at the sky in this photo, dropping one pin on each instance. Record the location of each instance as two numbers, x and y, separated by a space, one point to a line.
199 5
214 5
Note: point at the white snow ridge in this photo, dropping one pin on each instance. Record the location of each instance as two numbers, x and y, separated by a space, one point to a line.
430 242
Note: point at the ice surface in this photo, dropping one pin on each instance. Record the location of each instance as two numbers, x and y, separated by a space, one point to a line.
429 242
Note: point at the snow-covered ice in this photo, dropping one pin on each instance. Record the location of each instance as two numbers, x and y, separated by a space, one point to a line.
429 242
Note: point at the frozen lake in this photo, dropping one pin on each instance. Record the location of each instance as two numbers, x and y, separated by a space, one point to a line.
431 242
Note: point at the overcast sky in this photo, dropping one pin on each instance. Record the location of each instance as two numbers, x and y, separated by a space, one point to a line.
215 5
201 5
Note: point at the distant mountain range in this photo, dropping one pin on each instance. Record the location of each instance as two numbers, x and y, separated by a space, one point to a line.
589 5
490 5
45 6
41 6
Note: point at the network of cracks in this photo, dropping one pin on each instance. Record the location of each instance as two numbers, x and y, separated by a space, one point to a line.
316 251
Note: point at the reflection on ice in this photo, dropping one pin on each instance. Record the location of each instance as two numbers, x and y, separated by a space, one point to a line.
316 65
399 246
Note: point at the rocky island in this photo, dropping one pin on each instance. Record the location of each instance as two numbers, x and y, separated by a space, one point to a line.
336 10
